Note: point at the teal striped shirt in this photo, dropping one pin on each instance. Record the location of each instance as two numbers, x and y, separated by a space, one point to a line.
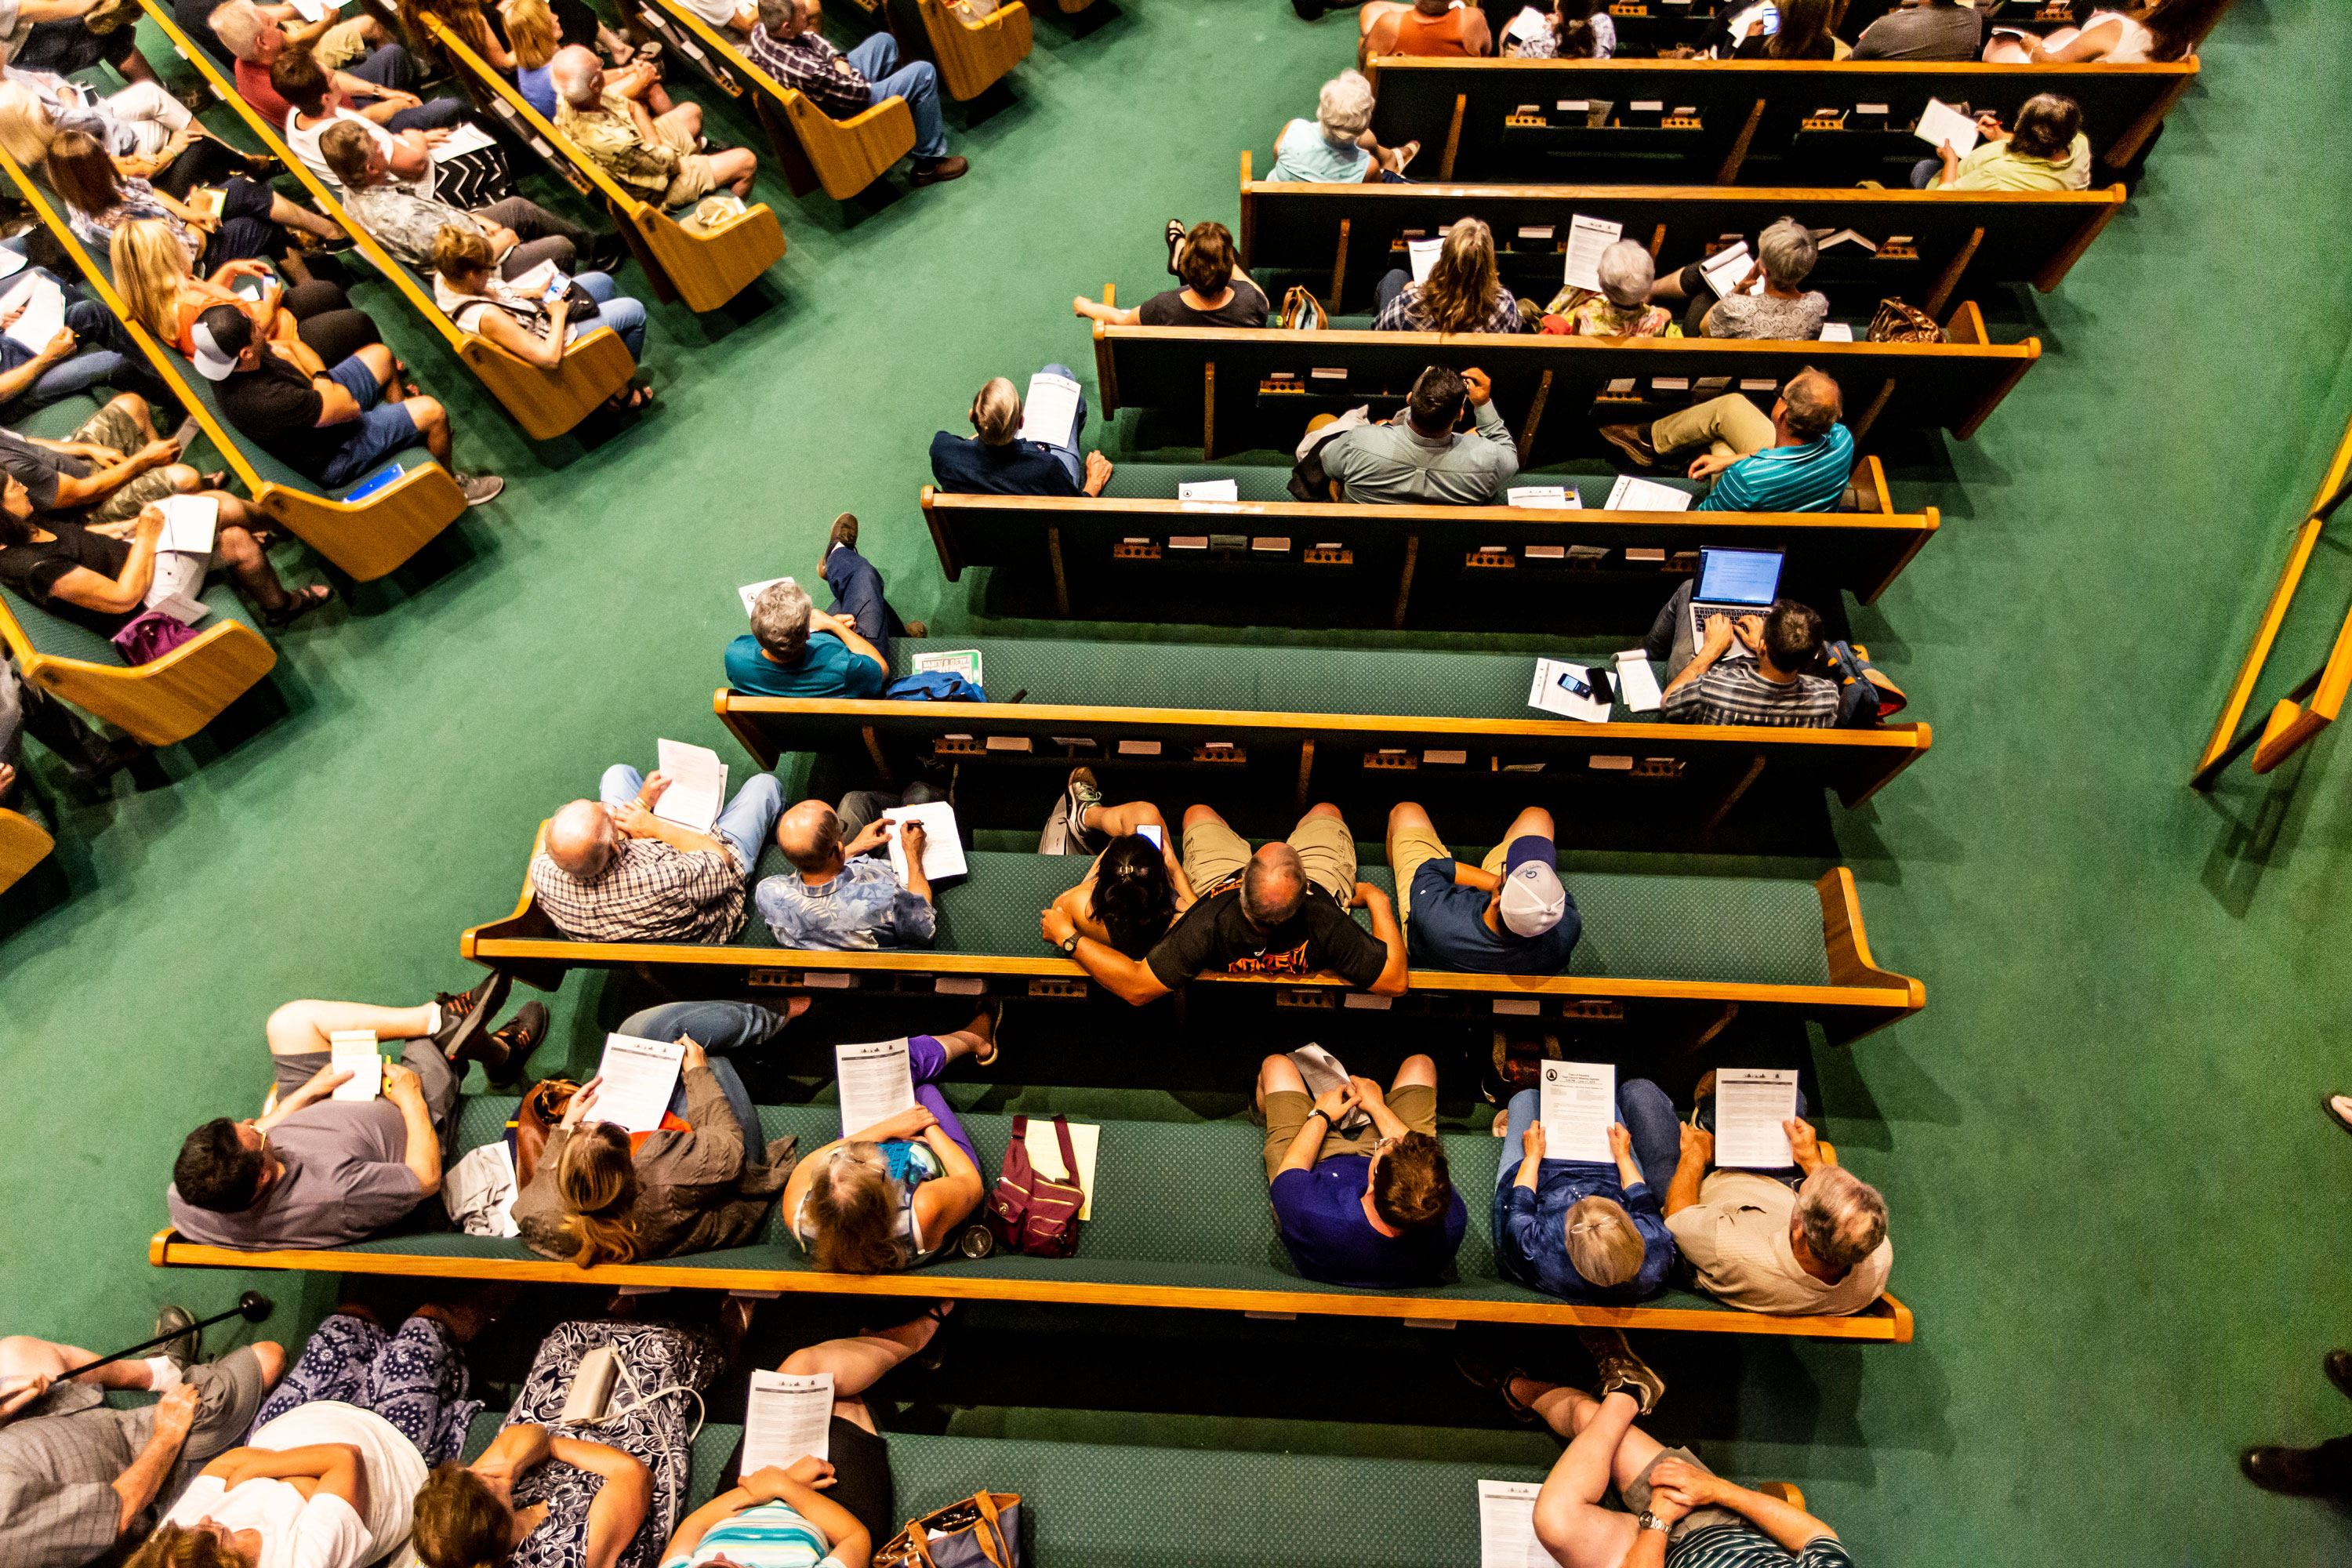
765 1535
1809 477
1743 1545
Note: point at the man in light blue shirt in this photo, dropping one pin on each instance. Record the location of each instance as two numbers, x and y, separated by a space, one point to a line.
841 895
1419 458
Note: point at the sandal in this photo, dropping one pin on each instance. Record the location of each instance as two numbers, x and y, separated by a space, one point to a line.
218 479
1405 155
298 603
629 399
994 1013
934 1354
1175 239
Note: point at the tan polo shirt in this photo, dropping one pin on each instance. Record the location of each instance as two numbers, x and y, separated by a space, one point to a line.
1737 1239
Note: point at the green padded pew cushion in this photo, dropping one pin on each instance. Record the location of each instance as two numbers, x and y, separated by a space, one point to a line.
1742 931
1158 481
61 638
1115 1506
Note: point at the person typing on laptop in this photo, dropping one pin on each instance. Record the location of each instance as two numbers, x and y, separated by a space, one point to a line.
1799 459
1767 685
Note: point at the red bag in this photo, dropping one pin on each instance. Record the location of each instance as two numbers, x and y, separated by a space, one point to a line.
1032 1214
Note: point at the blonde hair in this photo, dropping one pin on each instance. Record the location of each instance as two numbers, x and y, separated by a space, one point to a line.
996 412
854 1211
460 252
597 1181
458 1524
1463 281
1602 1244
150 267
530 32
177 1546
26 128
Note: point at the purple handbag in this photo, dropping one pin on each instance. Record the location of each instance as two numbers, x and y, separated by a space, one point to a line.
151 636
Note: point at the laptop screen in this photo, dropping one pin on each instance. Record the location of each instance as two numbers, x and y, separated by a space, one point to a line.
1738 577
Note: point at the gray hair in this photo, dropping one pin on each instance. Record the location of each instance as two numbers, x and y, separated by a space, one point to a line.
1627 269
26 128
775 16
1787 251
580 840
575 73
1843 1216
1344 108
236 23
780 620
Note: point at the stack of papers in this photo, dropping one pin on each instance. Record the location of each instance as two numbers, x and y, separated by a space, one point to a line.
639 1077
959 661
462 140
1226 490
698 785
1724 270
1637 683
1422 255
1544 496
1506 1526
1629 494
1837 331
876 1083
1578 1106
1587 238
1569 690
785 1419
44 311
1050 411
353 1051
1751 1106
942 845
189 522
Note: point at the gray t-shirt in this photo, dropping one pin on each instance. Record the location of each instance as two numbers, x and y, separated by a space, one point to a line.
1762 316
1935 32
1391 465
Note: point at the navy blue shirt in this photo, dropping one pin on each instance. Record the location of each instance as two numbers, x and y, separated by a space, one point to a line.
1531 1231
964 465
1448 930
1321 1215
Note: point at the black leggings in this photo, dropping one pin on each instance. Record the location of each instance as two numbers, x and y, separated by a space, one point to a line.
246 232
207 161
326 323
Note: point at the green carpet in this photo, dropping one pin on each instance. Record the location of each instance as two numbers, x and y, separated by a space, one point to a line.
2101 1144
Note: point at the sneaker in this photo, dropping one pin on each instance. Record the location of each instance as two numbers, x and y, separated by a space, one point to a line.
917 630
466 1014
186 1346
1082 792
505 1052
1496 1378
480 489
1621 1369
1634 440
933 171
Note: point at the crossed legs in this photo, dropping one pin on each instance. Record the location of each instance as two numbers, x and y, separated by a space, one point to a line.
1604 1448
858 1362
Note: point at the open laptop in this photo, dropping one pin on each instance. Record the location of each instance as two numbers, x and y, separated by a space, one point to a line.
1733 583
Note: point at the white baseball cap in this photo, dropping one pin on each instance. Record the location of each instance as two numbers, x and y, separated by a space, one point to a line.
1533 899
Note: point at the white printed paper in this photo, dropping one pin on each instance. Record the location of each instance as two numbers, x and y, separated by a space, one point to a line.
1837 331
1529 24
189 524
1578 1106
185 608
1587 238
876 1083
11 263
1543 496
1227 490
1939 123
1050 411
45 311
1629 494
1750 1105
639 1077
942 845
1506 1526
353 1051
1556 691
698 785
316 10
786 1418
958 661
1637 683
750 592
1725 270
462 140
1422 255
1045 1148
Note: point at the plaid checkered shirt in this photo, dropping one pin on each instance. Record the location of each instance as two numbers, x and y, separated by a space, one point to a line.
651 892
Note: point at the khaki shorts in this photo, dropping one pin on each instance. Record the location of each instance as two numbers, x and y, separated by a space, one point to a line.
116 431
341 44
1636 1494
1287 1111
1416 845
1213 853
694 179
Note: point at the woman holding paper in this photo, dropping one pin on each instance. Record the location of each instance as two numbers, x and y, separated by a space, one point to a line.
595 1200
249 221
1463 293
894 1194
166 296
1587 1230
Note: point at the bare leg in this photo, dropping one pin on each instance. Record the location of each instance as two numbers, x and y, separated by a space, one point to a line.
1404 816
135 406
1414 1070
1569 1520
301 1028
1567 1411
286 215
1323 808
857 1364
1278 1074
734 169
973 1039
1534 821
1121 820
1196 815
21 1355
242 554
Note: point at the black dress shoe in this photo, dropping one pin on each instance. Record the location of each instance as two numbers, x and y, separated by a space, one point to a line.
465 1015
2337 1365
2290 1472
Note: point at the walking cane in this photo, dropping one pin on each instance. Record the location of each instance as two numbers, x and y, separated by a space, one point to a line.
253 1307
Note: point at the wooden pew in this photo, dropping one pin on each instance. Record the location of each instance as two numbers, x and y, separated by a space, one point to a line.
1356 725
159 704
1223 1256
1758 120
1385 561
1258 388
364 539
545 403
974 56
1353 233
1758 940
844 156
23 844
704 268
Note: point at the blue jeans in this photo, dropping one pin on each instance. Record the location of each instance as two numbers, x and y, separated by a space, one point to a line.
1073 457
1926 172
395 68
877 60
718 1027
614 309
98 361
1647 1115
745 824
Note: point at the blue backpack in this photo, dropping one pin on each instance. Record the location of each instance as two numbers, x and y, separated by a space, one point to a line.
934 686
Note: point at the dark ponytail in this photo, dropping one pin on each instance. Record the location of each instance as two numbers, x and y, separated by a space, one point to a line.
1133 897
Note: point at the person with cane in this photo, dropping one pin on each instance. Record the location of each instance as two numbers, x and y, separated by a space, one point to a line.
76 1477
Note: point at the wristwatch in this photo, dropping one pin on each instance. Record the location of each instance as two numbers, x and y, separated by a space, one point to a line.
1652 1521
1069 945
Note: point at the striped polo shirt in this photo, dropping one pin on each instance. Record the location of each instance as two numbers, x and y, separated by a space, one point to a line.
1734 692
1743 1546
1809 477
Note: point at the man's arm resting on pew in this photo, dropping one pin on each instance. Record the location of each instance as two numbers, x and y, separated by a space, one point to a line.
1128 979
1393 973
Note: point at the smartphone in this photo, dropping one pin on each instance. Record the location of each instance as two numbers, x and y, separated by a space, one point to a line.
1159 839
555 289
1574 686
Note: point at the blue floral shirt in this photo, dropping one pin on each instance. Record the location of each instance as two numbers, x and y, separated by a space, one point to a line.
862 908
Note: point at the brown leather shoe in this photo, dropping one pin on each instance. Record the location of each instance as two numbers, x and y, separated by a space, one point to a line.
2290 1472
2337 1365
939 169
1634 440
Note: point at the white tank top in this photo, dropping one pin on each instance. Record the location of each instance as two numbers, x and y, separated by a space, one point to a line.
2136 47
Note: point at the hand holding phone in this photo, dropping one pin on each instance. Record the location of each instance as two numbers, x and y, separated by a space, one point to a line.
557 286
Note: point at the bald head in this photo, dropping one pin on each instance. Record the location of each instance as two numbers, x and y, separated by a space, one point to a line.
810 837
1274 886
1812 403
1843 1216
575 73
581 839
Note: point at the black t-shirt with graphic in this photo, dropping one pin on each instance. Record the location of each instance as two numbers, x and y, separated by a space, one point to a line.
1215 935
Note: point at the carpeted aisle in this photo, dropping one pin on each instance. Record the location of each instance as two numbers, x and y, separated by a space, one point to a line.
2117 1205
